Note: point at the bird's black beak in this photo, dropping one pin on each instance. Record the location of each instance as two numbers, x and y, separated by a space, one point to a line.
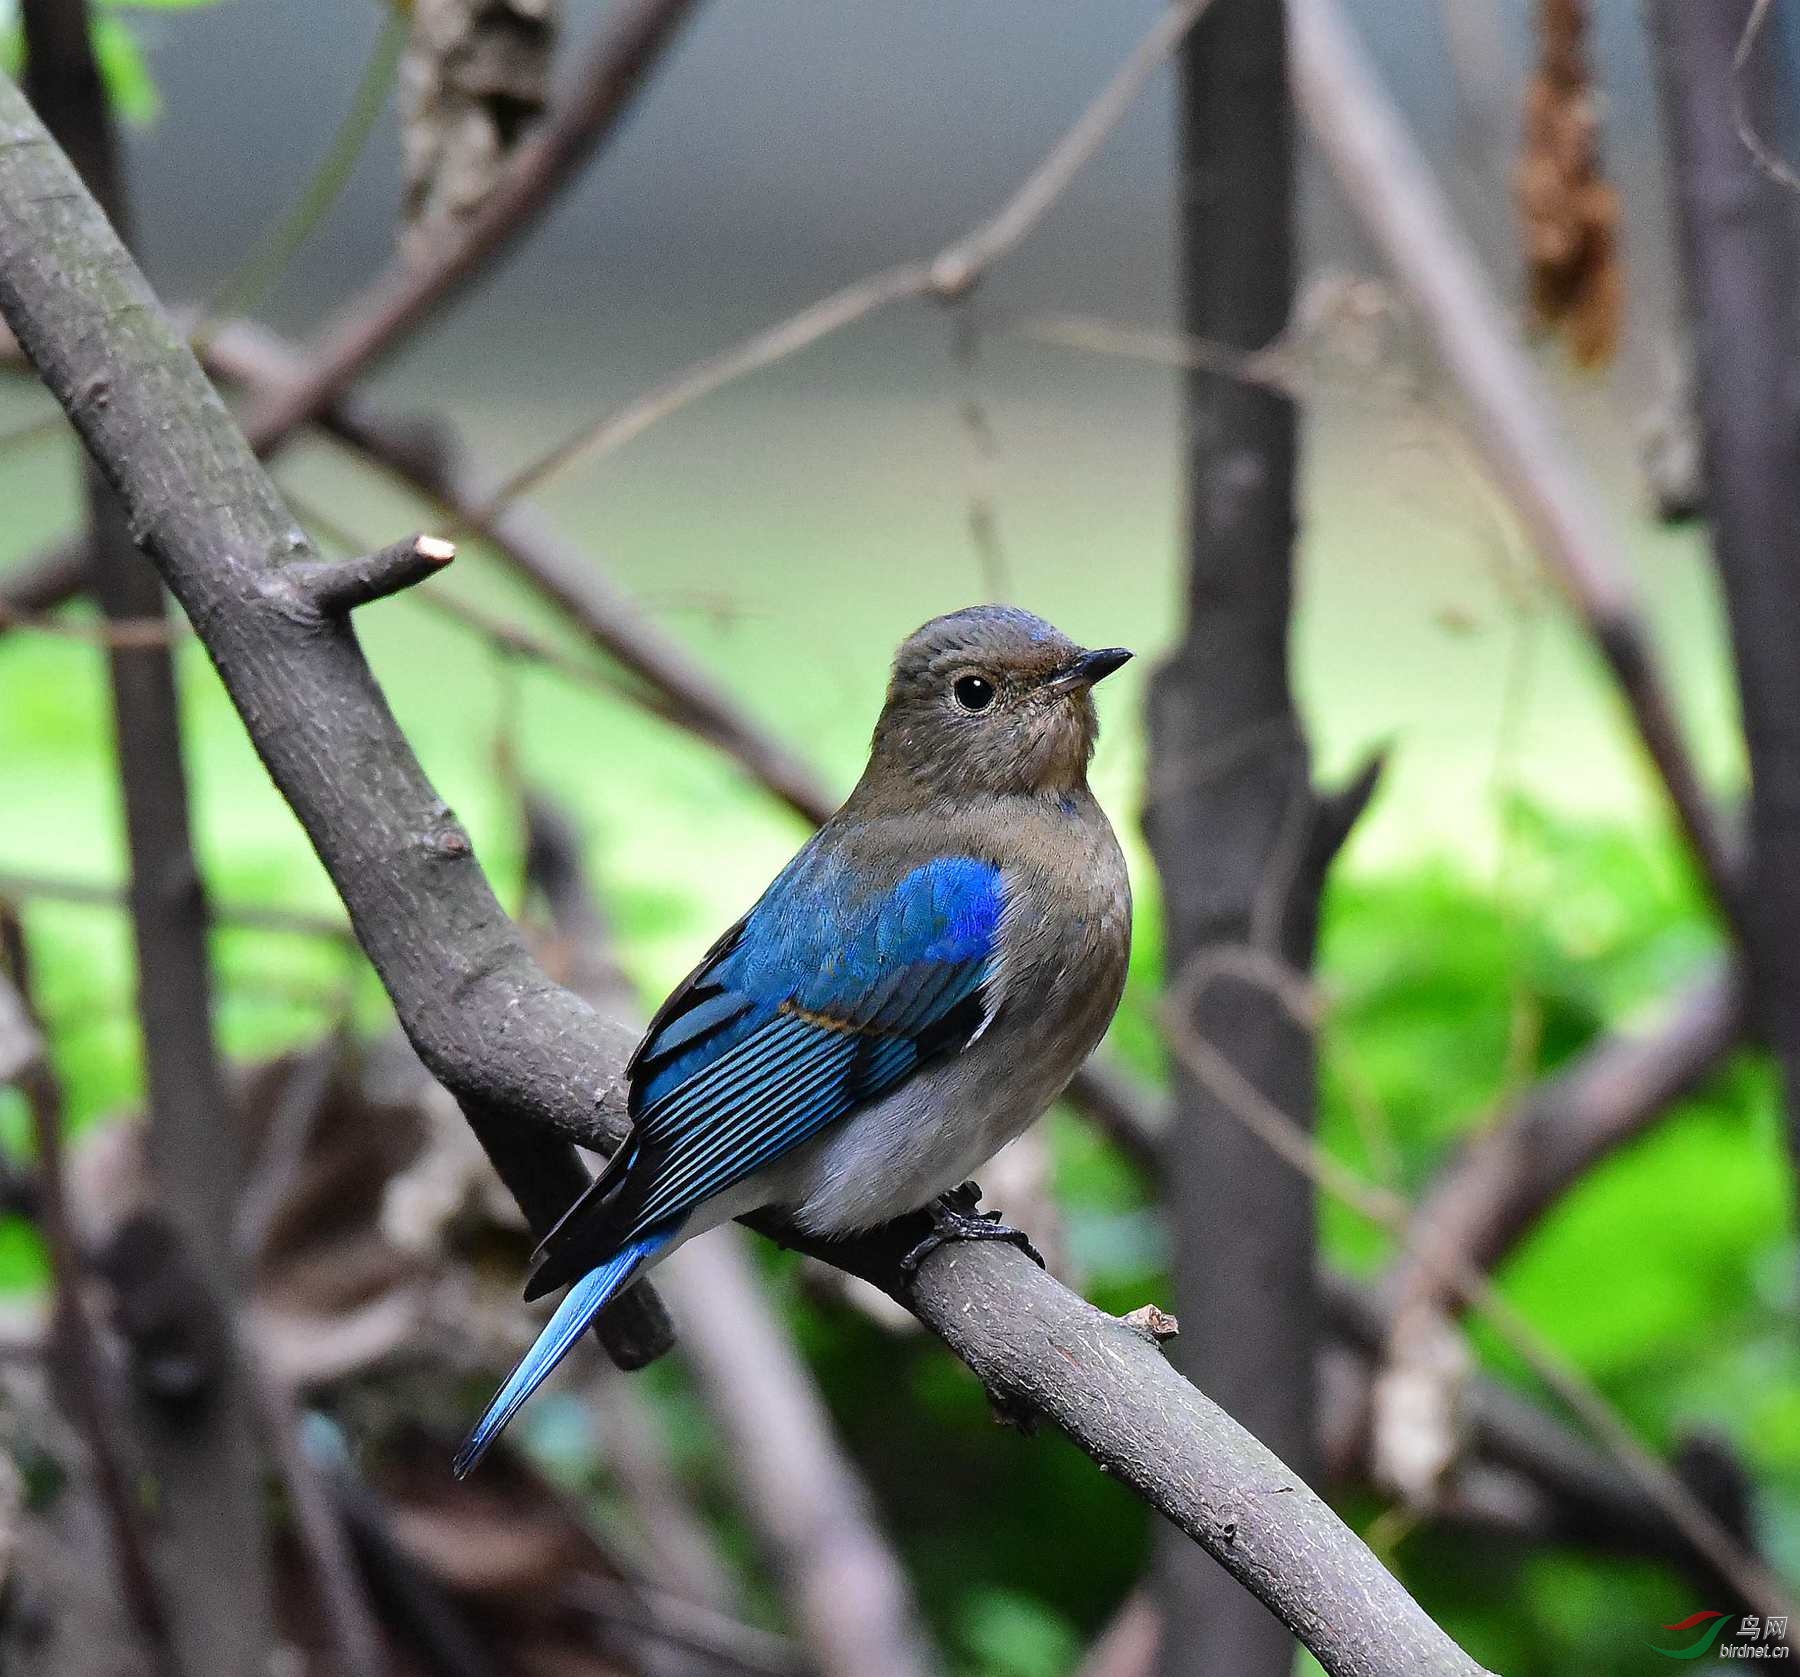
1089 668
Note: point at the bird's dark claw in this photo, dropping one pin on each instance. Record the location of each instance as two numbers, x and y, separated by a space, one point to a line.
954 1217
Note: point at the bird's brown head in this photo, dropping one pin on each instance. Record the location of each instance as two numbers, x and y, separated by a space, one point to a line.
989 700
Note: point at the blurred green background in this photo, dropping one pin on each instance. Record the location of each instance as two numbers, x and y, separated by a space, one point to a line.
1516 880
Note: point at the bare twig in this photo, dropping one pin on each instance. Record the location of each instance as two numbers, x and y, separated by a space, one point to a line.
948 275
334 587
249 917
511 640
1380 169
527 1056
633 41
115 634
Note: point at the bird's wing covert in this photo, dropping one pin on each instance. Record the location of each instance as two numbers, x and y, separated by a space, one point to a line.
821 1000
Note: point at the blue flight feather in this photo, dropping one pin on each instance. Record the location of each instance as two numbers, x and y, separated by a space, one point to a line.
839 997
828 995
581 1304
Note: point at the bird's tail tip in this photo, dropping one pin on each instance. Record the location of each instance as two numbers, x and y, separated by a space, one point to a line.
580 1305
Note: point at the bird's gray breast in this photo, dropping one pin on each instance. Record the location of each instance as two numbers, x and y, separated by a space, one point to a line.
1065 940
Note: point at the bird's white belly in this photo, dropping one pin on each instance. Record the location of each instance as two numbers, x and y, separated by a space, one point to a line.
927 1137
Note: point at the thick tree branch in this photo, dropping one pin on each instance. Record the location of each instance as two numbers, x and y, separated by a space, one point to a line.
1740 254
1242 840
488 1023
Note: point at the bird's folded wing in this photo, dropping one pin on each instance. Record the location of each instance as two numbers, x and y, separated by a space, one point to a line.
820 1001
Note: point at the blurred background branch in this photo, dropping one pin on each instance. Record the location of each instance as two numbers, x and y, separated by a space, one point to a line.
1535 1060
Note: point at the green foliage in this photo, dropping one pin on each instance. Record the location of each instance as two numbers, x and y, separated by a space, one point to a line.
1666 1276
1013 1636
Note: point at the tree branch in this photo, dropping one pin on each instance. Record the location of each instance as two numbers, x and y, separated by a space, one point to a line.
202 1447
634 39
83 1373
1740 255
1242 849
488 1023
1388 183
1492 1194
330 588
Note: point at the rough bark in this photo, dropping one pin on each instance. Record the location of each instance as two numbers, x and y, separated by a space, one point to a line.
487 1022
1740 257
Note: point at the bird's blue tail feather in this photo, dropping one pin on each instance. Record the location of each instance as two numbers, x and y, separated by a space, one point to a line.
581 1304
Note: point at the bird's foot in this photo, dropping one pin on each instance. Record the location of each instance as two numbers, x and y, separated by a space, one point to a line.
954 1217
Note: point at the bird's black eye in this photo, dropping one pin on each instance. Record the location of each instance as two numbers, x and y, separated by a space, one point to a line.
973 692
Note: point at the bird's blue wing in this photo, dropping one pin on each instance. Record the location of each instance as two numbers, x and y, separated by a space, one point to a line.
825 997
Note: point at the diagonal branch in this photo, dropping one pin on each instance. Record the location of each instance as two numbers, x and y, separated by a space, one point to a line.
637 35
489 1024
1482 1204
948 276
1389 184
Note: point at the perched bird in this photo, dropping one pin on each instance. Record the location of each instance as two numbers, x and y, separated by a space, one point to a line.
912 991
